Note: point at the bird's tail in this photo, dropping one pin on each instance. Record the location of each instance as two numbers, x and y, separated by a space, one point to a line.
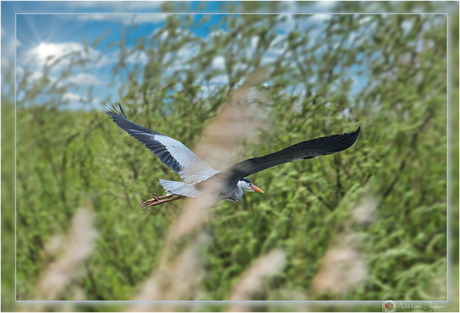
180 188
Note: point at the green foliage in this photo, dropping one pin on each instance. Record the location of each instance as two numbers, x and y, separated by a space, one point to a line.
68 159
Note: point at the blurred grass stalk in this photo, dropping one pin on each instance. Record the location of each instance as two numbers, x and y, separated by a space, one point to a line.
69 254
252 280
177 275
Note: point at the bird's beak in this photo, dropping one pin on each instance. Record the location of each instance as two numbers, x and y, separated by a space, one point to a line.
255 188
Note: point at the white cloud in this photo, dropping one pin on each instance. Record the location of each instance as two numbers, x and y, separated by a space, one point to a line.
292 6
204 91
126 19
325 4
278 40
218 80
138 5
35 76
32 75
407 26
365 19
123 6
164 33
72 97
177 60
217 33
138 57
19 72
320 17
218 62
8 47
289 23
183 55
78 102
84 79
271 56
46 53
188 51
80 79
277 47
253 47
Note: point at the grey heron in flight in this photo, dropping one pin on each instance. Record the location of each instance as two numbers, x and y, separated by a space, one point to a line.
195 173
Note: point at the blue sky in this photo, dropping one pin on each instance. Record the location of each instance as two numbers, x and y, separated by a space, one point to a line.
40 35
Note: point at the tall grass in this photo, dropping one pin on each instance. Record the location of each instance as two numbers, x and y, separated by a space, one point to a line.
365 224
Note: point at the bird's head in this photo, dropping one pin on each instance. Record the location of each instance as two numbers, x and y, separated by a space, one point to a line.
247 185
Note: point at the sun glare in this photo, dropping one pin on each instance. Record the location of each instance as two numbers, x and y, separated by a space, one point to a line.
46 50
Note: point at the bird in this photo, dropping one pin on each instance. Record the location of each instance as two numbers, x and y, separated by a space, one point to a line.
196 174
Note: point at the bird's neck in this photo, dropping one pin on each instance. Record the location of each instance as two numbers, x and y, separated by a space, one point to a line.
233 195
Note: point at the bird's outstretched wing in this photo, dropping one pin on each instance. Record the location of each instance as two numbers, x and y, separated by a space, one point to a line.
303 150
171 152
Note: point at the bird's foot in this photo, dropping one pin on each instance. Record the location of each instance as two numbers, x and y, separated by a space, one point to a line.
151 202
155 200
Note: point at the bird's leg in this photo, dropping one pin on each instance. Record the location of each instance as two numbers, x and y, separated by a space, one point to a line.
156 198
165 197
159 200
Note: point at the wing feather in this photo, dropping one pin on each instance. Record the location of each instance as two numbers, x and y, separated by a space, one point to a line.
171 152
303 150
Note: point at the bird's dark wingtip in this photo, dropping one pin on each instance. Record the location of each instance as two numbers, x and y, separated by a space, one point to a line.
347 140
121 109
113 112
354 137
